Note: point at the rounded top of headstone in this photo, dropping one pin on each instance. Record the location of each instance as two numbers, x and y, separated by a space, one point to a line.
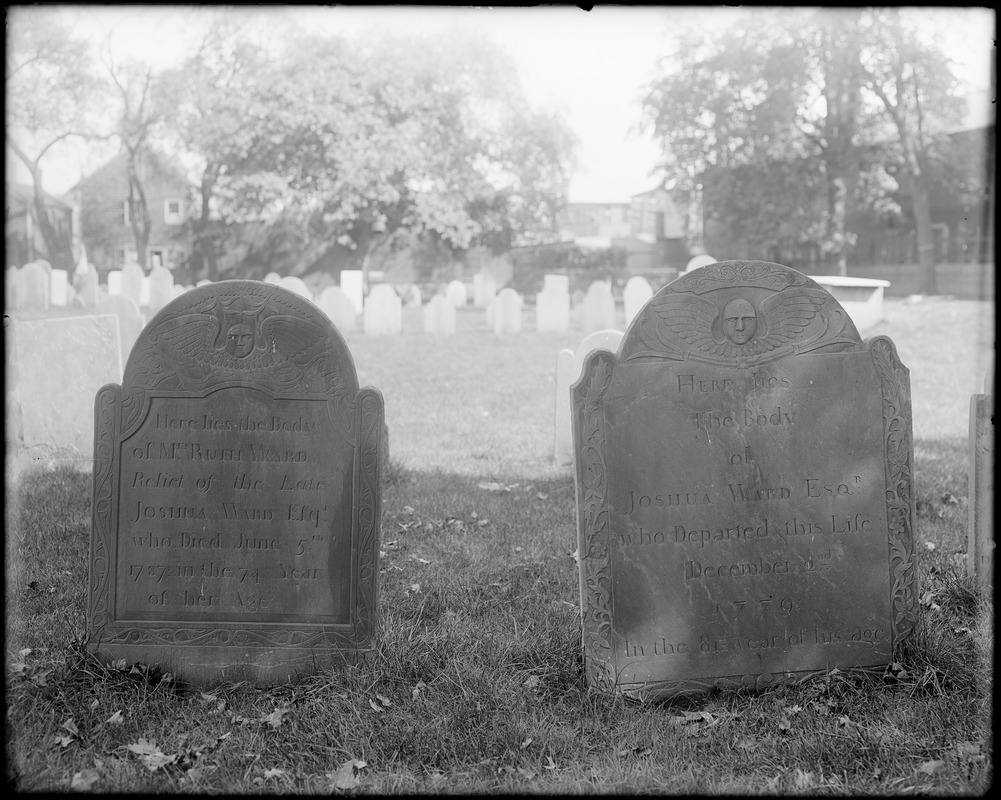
739 313
241 332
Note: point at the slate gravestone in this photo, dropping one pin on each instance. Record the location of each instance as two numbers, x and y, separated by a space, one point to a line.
439 316
339 308
635 295
383 311
506 311
59 365
980 523
598 307
236 493
744 493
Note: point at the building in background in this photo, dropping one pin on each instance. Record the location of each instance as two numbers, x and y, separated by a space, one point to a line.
22 235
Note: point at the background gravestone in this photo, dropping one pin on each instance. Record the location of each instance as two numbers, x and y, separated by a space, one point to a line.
744 489
130 320
161 288
980 522
297 285
439 316
552 304
635 295
383 311
456 293
58 366
34 287
338 306
236 493
132 282
506 312
598 308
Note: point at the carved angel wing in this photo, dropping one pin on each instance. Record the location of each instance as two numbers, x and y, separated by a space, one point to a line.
691 317
191 335
287 336
787 313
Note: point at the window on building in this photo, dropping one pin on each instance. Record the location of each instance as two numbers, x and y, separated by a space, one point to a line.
157 257
172 211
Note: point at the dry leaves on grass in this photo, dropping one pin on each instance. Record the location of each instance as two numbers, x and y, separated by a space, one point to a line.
346 776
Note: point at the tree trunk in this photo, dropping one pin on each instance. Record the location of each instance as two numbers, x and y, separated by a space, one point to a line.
138 213
926 242
57 246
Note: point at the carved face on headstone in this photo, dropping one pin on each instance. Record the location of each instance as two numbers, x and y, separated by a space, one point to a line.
740 321
240 340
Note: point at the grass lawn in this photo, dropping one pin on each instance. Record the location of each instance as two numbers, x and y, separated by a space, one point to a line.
477 682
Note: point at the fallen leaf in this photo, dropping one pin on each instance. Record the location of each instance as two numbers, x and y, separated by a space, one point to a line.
384 700
115 719
785 724
931 767
375 706
151 755
746 743
950 499
416 691
408 509
344 777
84 780
519 549
274 772
274 719
63 741
415 587
208 698
70 725
526 743
542 496
802 780
532 681
550 764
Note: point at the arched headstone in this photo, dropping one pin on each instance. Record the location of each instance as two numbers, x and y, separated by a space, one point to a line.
635 295
297 285
338 306
439 316
507 312
236 494
456 293
552 304
383 311
598 307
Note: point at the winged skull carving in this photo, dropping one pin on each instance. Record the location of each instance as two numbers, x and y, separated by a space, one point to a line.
739 330
238 340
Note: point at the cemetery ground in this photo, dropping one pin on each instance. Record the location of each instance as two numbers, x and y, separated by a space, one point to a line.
477 685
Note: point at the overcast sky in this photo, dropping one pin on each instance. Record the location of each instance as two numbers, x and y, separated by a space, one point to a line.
591 64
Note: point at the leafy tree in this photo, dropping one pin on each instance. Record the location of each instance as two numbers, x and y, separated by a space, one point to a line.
50 87
916 89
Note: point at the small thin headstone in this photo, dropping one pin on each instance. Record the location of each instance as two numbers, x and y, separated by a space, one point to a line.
552 304
635 295
743 469
484 288
598 307
273 278
439 316
161 288
236 494
144 291
203 282
177 290
87 288
35 287
131 320
13 293
456 293
410 295
338 306
569 364
132 282
60 364
352 284
507 312
59 288
115 282
297 285
980 522
383 311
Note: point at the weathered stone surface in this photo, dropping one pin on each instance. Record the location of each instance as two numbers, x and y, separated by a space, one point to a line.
236 493
980 522
744 490
60 364
131 320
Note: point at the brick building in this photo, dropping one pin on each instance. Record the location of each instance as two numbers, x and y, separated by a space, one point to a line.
102 199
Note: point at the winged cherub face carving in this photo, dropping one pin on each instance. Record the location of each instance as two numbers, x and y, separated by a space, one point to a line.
240 340
740 321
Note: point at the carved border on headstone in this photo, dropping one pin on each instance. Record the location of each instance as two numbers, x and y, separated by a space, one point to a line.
107 408
369 407
593 546
899 502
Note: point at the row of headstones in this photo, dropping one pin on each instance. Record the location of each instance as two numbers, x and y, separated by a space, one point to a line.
700 471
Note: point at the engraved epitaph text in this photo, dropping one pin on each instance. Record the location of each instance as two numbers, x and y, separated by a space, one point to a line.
743 465
236 492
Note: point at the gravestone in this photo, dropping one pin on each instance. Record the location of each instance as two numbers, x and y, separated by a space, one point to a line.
410 295
383 311
161 288
144 290
506 312
635 295
59 364
35 287
297 285
439 316
59 288
484 288
338 306
132 282
552 304
114 282
87 288
352 284
131 320
203 282
13 294
569 363
456 293
980 525
236 493
598 308
273 278
744 486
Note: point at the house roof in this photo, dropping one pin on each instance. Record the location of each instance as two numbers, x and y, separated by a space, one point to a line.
25 193
158 162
